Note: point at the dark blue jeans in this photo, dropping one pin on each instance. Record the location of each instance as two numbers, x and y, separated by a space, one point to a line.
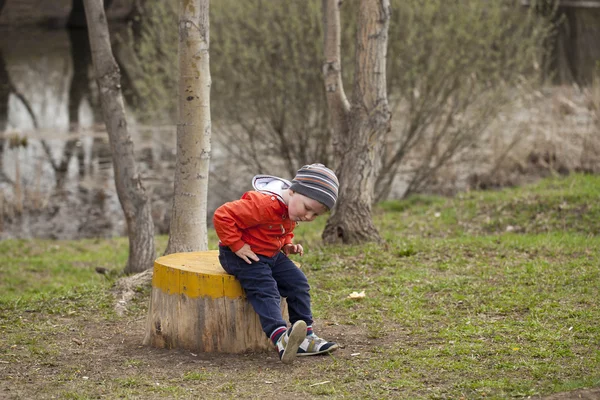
265 282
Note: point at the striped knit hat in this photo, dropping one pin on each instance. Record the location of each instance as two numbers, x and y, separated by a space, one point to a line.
317 182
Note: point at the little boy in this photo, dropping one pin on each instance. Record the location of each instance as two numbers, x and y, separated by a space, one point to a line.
255 235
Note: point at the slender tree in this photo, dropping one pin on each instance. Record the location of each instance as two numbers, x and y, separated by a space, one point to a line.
5 90
132 194
359 125
188 230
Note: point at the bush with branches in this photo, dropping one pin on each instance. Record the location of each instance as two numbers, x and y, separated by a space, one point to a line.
452 67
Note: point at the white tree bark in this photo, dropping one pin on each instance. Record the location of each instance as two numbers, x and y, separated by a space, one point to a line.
358 126
188 230
132 194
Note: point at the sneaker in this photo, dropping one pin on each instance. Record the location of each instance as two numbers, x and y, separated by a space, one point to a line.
288 343
313 345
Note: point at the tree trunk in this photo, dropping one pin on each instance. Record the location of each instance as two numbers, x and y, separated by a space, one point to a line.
188 230
131 191
358 127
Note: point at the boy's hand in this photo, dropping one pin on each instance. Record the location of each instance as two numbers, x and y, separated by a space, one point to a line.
292 249
246 254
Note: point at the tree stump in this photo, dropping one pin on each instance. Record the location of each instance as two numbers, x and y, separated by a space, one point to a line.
196 305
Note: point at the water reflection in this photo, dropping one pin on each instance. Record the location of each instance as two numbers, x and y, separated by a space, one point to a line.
56 176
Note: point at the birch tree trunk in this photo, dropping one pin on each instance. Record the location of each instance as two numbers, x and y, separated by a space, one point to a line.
132 194
358 127
188 230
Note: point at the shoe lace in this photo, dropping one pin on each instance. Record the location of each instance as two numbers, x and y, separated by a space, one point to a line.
315 339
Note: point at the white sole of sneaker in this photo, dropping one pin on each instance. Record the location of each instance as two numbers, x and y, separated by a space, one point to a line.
295 339
316 353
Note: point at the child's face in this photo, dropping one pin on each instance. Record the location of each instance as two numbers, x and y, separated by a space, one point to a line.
302 208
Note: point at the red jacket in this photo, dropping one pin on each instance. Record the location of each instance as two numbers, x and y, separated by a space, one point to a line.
259 219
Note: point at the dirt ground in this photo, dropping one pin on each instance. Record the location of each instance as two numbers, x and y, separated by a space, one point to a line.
100 352
93 355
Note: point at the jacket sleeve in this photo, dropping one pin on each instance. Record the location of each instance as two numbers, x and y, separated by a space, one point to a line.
288 238
231 218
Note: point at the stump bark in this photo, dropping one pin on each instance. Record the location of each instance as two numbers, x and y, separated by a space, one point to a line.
196 305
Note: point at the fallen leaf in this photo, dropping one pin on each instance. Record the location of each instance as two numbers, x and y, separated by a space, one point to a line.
357 295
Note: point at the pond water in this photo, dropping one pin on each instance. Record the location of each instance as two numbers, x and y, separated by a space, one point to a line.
56 177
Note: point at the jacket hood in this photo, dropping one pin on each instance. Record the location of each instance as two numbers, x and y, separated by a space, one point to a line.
271 185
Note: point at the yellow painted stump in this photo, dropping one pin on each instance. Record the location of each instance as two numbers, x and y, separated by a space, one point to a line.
196 305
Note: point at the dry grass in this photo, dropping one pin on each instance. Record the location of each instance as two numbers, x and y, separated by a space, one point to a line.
553 131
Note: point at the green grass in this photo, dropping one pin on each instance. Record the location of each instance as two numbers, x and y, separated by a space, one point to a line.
457 305
32 267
